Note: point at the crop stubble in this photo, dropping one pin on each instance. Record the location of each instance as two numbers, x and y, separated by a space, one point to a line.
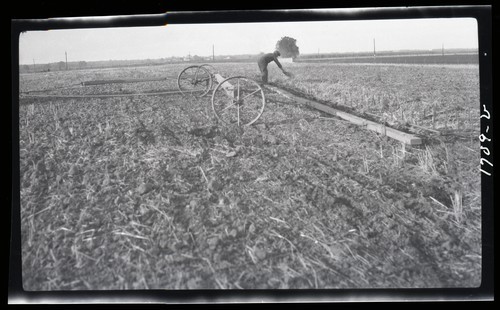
133 193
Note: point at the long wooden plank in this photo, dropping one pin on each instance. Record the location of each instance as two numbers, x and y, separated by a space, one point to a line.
122 81
161 93
374 126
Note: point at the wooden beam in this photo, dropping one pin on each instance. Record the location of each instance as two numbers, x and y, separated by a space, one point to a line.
122 81
161 93
374 126
228 87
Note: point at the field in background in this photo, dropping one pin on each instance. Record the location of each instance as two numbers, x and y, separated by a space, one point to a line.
401 59
149 192
453 56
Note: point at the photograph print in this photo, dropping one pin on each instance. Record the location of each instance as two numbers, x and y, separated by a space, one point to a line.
237 156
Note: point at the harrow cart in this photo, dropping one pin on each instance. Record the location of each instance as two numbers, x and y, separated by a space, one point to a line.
235 100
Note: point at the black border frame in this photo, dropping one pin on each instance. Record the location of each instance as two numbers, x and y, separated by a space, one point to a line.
483 15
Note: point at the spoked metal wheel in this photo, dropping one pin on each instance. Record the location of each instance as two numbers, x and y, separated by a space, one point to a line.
210 68
238 100
195 81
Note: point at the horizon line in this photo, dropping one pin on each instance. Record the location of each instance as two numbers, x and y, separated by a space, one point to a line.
248 54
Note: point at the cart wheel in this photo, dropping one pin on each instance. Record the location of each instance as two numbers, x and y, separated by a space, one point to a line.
210 68
238 100
195 81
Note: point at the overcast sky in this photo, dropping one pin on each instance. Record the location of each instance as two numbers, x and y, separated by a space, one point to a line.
244 38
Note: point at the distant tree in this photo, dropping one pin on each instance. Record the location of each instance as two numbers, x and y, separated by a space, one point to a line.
82 64
61 65
287 46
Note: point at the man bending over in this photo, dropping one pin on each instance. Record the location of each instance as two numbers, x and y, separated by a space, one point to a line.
264 60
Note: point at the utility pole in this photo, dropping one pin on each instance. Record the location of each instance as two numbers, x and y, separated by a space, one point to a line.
213 52
66 54
374 52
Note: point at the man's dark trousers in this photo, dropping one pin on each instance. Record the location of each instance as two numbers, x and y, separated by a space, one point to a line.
263 71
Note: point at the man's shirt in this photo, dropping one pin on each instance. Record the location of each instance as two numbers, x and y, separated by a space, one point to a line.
267 58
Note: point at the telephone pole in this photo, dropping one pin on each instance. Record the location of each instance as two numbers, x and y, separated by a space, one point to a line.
374 52
66 54
213 52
